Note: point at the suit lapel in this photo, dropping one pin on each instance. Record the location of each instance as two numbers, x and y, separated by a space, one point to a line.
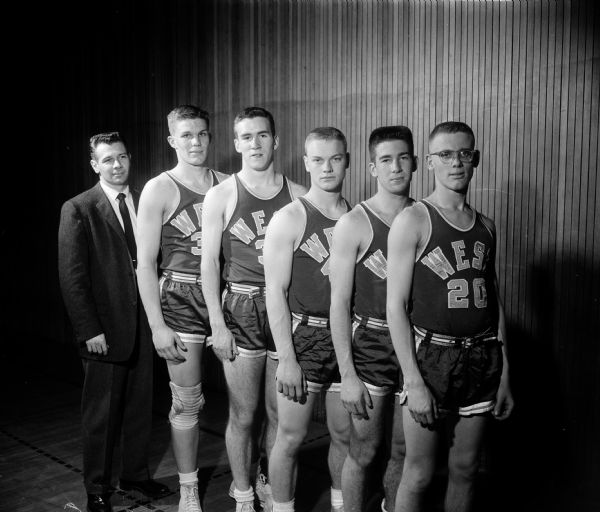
107 212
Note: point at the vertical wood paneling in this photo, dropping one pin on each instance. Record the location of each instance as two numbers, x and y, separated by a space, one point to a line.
525 75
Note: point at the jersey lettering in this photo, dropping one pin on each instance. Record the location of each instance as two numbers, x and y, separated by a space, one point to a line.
314 248
377 264
183 223
437 261
459 254
241 230
479 251
259 220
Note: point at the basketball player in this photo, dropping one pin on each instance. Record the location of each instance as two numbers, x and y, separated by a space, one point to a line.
235 217
169 221
297 248
452 347
368 365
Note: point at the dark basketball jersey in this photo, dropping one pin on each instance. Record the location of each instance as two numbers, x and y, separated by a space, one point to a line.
181 237
370 273
452 289
310 291
244 236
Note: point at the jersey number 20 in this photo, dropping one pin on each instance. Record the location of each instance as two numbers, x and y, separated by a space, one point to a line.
458 293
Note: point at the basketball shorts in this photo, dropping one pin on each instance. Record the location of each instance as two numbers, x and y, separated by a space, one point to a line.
463 374
315 353
245 314
374 357
183 306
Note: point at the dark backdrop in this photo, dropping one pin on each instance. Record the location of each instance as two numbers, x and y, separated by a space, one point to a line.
525 75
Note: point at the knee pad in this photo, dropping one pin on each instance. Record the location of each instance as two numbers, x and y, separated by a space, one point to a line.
185 406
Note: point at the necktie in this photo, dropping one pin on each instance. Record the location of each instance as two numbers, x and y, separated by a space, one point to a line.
129 236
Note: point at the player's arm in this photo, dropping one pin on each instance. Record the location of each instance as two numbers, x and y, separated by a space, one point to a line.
345 247
504 399
75 284
282 234
213 224
403 242
150 216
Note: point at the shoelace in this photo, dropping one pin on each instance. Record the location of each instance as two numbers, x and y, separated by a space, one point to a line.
246 507
192 499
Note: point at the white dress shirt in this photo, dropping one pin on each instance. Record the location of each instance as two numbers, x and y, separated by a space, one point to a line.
112 194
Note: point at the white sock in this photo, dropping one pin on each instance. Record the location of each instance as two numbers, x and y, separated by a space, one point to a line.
243 496
188 478
288 506
336 498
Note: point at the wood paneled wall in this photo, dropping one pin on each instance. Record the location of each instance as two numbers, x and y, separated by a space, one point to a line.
525 75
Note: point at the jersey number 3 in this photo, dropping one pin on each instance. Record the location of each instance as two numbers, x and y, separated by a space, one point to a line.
458 293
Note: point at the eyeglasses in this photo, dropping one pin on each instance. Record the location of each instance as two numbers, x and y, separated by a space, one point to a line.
466 156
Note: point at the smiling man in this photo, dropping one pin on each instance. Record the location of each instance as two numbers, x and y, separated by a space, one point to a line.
170 222
96 262
235 218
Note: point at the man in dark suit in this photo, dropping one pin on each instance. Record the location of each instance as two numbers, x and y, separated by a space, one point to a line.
96 260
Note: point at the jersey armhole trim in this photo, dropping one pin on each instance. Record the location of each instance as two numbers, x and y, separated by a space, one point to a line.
427 238
360 256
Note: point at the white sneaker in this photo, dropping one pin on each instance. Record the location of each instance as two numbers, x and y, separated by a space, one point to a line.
264 492
244 506
189 500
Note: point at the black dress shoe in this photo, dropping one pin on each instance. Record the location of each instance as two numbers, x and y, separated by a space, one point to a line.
150 488
99 503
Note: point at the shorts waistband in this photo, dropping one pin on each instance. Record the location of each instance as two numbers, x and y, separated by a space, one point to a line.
182 277
246 289
314 321
443 339
373 323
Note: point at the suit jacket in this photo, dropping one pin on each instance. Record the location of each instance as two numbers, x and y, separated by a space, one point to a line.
97 277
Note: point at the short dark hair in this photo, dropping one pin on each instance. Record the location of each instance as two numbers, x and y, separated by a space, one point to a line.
187 112
105 138
452 127
385 133
327 133
252 112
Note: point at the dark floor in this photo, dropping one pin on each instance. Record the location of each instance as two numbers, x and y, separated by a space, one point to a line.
40 452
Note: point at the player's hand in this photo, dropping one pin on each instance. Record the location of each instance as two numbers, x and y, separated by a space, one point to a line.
223 344
422 405
504 401
356 397
291 381
168 345
97 345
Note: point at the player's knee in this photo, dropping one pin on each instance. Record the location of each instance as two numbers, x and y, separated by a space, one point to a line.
463 468
185 406
363 452
290 438
417 475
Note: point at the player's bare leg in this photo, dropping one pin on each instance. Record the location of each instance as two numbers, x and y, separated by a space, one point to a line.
188 400
244 385
365 437
419 464
463 462
393 470
338 423
294 419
